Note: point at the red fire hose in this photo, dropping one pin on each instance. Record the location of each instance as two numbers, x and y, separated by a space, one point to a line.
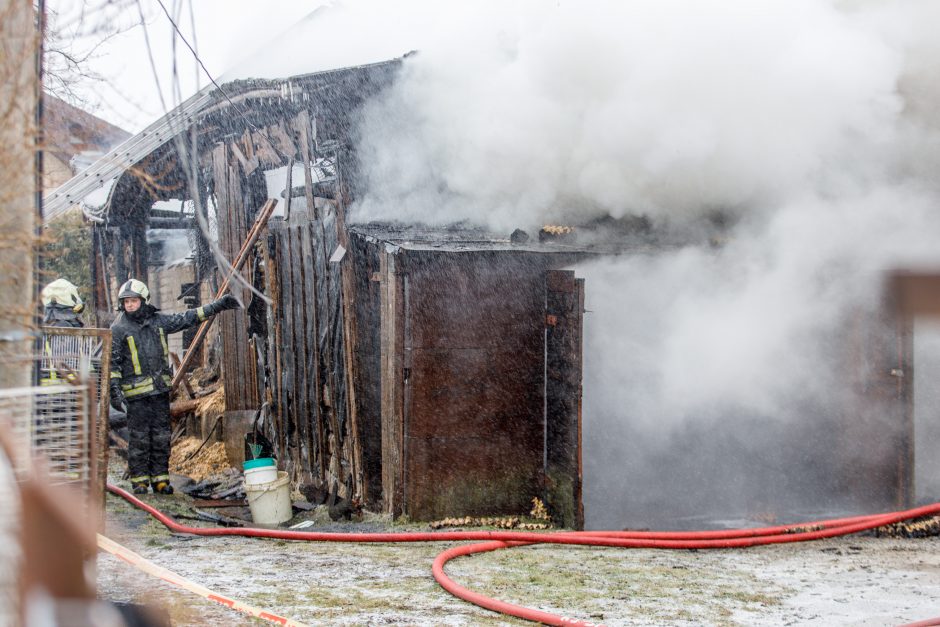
493 540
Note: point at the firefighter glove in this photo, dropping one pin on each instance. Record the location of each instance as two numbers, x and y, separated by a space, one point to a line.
226 302
117 398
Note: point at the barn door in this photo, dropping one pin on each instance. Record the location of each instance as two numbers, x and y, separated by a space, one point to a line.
564 308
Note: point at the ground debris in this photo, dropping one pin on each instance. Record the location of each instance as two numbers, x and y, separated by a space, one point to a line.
924 527
805 528
229 484
500 522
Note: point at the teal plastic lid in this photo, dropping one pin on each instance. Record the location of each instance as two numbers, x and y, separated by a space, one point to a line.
261 462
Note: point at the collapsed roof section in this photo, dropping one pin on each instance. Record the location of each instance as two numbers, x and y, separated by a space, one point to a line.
164 160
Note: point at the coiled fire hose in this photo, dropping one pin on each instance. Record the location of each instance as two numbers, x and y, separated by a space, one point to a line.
494 540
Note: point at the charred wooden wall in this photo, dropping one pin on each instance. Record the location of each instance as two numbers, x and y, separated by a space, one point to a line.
367 371
462 379
307 353
237 199
564 309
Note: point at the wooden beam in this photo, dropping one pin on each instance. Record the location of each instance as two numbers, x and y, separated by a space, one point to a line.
264 151
253 235
186 386
248 165
282 141
302 124
391 359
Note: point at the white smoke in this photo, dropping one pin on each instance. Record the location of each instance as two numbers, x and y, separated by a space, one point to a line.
658 107
812 123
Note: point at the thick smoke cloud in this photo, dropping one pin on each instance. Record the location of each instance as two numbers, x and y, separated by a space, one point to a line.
712 372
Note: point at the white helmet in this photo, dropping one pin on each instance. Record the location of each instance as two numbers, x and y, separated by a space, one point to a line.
64 294
133 288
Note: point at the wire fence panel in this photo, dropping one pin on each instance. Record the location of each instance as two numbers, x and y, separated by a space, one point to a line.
75 355
10 551
50 426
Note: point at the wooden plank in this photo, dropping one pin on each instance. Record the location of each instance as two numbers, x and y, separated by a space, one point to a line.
563 348
312 350
348 313
321 289
283 142
287 190
302 125
275 333
248 145
237 341
287 344
238 263
248 165
298 345
264 151
186 386
223 207
392 419
334 355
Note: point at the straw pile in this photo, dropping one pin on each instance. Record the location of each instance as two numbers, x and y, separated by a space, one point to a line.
211 460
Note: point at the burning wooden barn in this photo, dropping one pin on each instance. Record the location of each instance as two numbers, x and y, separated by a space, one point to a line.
433 372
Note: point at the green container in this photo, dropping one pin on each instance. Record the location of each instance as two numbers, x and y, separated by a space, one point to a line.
261 462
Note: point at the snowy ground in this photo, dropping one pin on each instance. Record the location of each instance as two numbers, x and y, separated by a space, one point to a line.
859 580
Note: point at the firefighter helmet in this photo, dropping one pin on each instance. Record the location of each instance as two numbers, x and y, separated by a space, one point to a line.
133 288
64 294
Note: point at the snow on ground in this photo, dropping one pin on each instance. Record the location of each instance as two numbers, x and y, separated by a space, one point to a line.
857 581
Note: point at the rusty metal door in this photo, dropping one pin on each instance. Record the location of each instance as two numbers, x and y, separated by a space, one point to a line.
564 311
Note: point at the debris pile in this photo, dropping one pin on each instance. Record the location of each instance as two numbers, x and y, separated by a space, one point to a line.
555 232
925 527
229 484
500 522
539 512
212 405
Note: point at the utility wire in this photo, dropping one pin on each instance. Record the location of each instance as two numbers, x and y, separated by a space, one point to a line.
202 65
191 171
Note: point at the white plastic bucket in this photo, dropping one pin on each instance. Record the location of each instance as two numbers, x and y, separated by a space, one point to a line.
260 474
270 502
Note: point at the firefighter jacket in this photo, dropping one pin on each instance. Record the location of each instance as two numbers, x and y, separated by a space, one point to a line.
140 357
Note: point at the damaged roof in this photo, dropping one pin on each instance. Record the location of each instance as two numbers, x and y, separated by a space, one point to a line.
591 238
210 102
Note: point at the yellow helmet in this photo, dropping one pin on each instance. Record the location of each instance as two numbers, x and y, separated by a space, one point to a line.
63 293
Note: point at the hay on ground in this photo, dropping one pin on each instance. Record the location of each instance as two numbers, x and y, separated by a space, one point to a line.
211 460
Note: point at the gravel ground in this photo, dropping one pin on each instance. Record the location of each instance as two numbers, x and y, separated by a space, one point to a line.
858 580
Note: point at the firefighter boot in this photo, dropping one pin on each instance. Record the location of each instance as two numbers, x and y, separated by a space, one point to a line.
140 487
162 487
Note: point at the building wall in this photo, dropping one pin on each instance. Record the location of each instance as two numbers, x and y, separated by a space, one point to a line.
473 401
165 287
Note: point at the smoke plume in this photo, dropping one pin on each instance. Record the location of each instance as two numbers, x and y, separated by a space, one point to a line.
810 126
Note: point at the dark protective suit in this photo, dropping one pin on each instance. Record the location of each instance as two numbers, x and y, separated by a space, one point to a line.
141 374
59 347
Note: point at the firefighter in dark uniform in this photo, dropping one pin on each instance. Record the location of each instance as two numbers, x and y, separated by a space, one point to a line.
62 307
141 377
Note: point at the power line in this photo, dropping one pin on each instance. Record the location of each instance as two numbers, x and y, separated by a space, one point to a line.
202 65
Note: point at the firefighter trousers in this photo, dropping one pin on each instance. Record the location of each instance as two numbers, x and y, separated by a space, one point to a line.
148 445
